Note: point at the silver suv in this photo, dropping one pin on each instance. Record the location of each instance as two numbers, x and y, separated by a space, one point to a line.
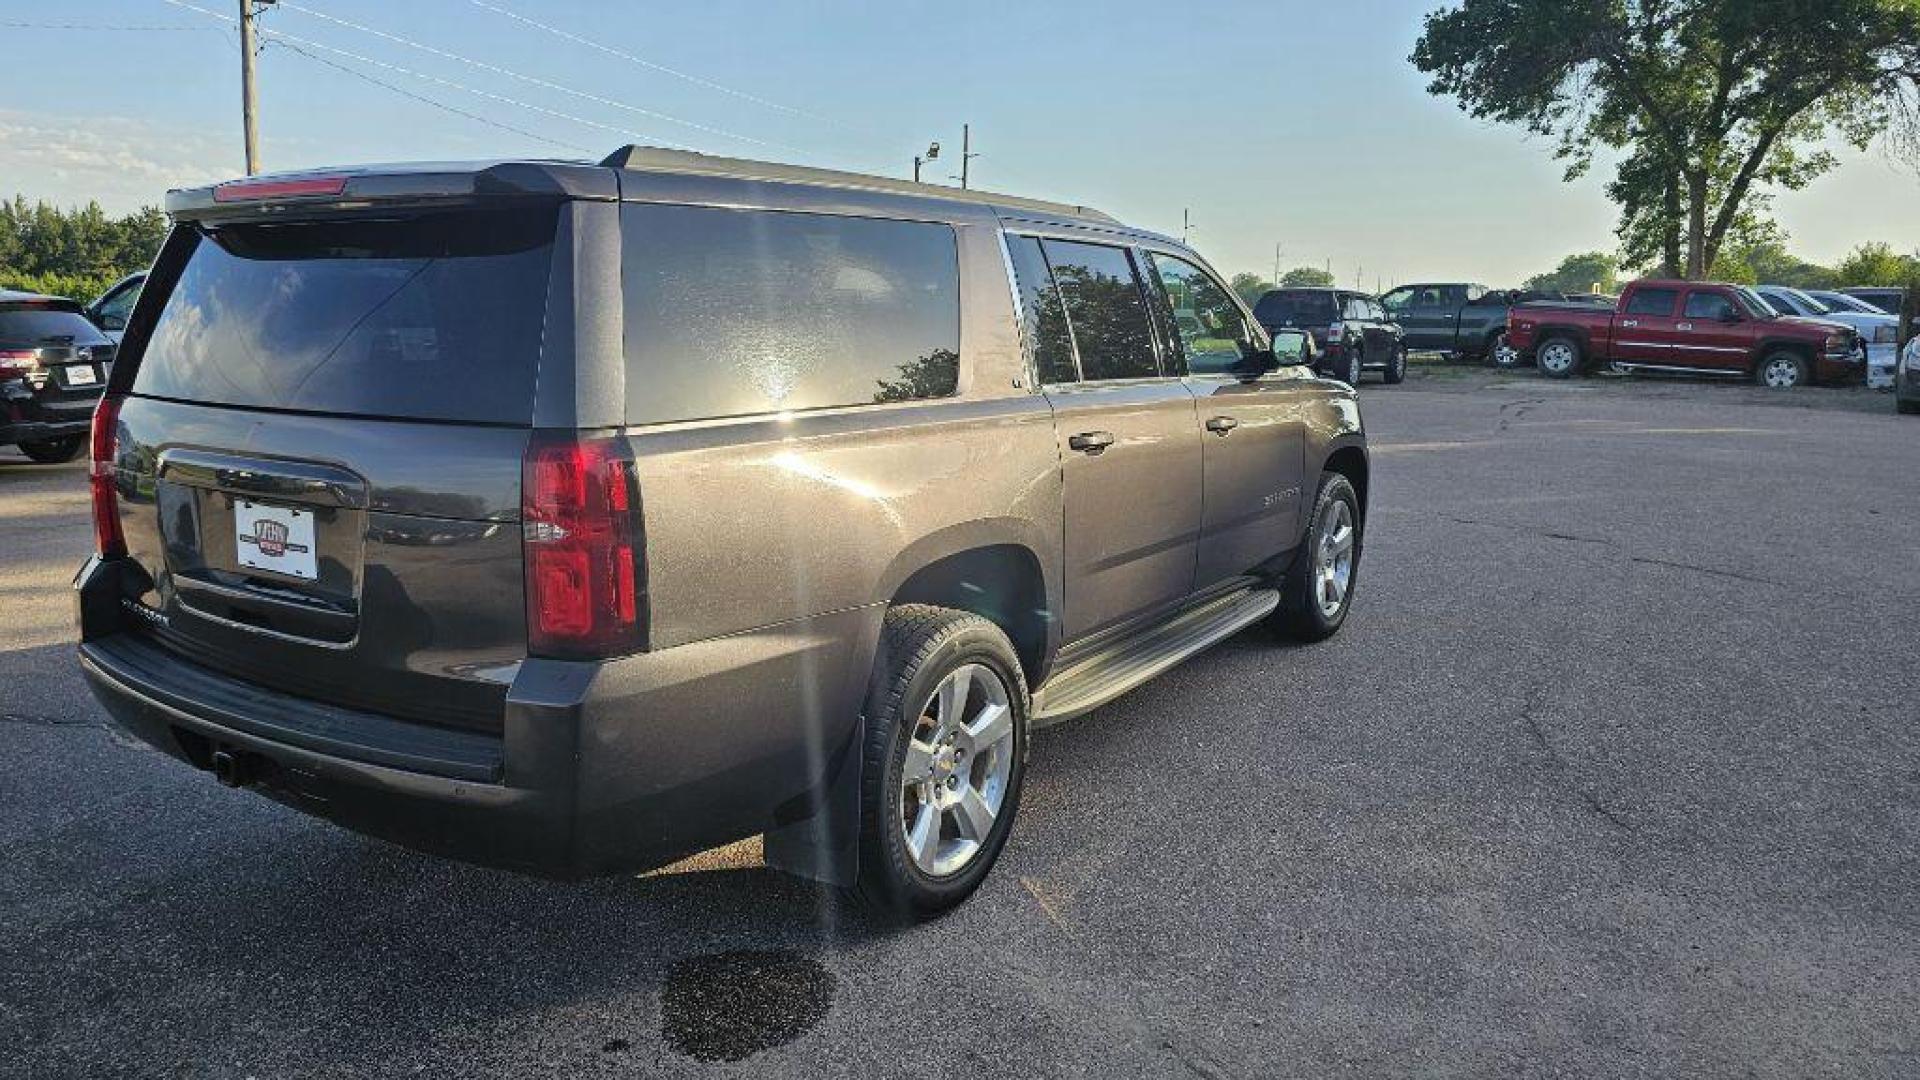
573 518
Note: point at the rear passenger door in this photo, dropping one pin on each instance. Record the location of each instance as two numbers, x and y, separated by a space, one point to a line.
1253 419
1426 318
1644 332
1129 442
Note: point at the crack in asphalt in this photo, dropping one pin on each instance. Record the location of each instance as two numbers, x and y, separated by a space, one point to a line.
1519 409
1565 767
1644 560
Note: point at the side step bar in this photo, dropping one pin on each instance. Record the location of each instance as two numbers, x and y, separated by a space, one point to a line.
1088 682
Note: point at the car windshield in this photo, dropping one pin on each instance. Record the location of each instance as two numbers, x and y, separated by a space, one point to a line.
1755 304
40 324
1813 303
1843 302
1301 306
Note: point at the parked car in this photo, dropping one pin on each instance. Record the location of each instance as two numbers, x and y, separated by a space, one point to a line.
1906 385
572 518
1876 335
1703 328
1840 301
1351 331
1886 299
111 309
53 366
1460 319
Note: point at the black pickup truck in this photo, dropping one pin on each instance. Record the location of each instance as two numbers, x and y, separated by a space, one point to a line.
1461 319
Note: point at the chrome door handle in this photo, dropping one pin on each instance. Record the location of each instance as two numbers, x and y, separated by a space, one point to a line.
1222 425
1091 442
1629 322
1683 326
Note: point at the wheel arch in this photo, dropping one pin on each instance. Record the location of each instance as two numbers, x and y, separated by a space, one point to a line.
1001 578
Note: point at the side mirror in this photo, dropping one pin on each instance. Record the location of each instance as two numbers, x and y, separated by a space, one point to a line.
1291 348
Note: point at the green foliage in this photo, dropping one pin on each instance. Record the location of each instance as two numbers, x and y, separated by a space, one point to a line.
1714 102
1591 271
76 252
1877 264
1250 287
1766 261
1307 277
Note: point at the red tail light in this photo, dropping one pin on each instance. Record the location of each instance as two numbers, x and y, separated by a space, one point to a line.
18 363
107 538
250 190
577 503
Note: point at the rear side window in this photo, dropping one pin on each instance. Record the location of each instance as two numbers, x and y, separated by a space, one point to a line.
1706 305
433 317
37 324
1283 308
740 312
1044 320
1652 302
1106 309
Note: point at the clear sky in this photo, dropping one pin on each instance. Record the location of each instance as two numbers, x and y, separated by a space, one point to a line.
1294 123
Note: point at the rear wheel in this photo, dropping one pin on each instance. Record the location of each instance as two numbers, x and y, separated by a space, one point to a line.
1397 366
1501 353
54 451
1559 358
1350 366
1318 588
1781 370
946 738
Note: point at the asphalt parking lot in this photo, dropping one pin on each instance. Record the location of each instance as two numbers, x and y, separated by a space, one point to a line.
1615 771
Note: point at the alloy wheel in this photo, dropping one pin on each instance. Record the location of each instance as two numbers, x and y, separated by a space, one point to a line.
1504 354
1333 560
1782 372
1557 357
959 760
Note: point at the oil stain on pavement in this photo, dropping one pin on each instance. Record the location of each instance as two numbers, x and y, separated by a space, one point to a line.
732 1005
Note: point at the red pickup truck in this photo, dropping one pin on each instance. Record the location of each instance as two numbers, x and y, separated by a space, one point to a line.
1698 327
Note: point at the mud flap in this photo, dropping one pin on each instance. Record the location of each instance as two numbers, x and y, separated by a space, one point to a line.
824 843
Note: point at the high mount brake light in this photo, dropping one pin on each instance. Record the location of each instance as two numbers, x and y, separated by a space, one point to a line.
578 506
255 190
102 445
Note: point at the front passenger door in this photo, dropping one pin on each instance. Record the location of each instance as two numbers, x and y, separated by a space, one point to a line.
1252 417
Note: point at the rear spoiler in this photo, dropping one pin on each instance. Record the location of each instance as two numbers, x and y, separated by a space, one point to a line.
325 191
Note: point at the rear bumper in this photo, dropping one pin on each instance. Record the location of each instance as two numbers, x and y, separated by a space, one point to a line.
25 418
601 767
37 430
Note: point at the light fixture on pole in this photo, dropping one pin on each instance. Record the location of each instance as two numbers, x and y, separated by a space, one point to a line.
933 151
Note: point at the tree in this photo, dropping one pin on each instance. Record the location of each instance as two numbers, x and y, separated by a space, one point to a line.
74 252
1877 264
1712 101
1592 271
1765 260
1307 277
1250 287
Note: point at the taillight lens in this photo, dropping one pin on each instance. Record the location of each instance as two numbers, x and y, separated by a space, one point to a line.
107 538
18 363
578 506
1336 331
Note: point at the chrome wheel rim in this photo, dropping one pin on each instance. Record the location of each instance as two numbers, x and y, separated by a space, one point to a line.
1782 372
1333 560
1557 357
959 761
1504 354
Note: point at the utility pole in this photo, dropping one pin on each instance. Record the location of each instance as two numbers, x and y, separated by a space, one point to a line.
1186 224
966 152
249 99
1276 262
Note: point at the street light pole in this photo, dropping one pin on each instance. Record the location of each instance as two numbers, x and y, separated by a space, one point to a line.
966 152
933 151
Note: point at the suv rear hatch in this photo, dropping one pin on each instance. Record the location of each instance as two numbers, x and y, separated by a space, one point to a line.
320 448
53 362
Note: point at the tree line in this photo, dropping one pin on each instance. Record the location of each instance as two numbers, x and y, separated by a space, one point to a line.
1762 261
75 252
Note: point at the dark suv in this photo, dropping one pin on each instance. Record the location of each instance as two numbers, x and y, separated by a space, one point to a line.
53 365
573 518
1353 331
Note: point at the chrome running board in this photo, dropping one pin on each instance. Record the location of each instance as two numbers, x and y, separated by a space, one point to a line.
1629 368
1088 682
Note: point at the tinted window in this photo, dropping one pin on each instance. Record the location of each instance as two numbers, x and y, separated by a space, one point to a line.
1105 308
1652 302
1356 308
737 312
438 317
1375 310
117 306
20 325
1207 323
1043 320
1288 307
1705 305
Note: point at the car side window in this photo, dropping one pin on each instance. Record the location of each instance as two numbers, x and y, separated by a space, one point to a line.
1355 308
1708 305
1106 310
1398 299
115 310
1652 302
1212 334
1376 310
1043 320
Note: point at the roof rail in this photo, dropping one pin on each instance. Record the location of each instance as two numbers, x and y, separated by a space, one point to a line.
658 159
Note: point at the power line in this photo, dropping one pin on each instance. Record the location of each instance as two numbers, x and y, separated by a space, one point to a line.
277 35
93 26
645 63
531 79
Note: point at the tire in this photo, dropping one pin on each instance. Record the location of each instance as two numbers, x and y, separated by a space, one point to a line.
1397 366
1559 357
1781 370
1501 353
982 759
1351 366
54 451
1302 616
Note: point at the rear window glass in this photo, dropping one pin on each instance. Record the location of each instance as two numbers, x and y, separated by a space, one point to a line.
1295 308
740 312
43 325
433 317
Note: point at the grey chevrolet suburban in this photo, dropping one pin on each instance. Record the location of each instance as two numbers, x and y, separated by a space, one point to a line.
573 518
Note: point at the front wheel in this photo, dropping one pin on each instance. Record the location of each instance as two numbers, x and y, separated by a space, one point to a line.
1397 366
1559 358
1318 588
946 740
1502 353
54 451
1781 371
1351 364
